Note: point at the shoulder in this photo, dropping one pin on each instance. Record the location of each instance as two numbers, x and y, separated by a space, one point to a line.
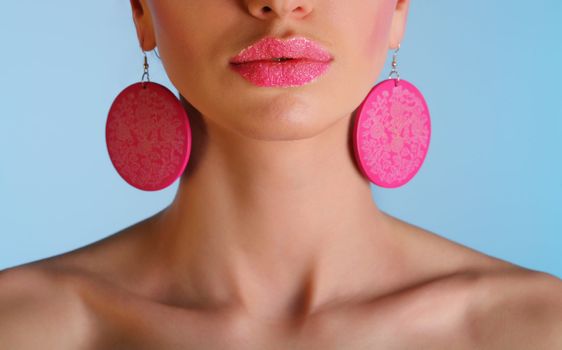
517 309
50 303
432 254
484 309
39 309
485 302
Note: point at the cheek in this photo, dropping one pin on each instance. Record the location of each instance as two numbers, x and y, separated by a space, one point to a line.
170 26
176 40
378 28
184 26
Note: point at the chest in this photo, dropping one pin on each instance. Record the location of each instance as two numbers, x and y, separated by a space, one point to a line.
413 324
431 316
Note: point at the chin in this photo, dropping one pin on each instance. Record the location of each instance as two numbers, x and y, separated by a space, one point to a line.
280 125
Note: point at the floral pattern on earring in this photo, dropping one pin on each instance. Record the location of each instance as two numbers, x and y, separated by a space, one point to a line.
392 133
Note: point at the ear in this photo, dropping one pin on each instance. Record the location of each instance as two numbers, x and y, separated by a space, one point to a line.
143 24
398 26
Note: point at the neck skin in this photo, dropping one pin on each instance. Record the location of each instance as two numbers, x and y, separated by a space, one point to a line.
275 228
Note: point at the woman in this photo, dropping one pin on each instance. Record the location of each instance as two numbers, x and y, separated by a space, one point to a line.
273 240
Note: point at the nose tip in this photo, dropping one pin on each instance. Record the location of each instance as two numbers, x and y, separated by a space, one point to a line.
265 9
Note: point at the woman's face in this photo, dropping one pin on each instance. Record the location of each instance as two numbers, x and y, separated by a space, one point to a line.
196 39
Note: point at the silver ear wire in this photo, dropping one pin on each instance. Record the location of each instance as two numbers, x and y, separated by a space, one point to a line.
157 54
145 73
394 65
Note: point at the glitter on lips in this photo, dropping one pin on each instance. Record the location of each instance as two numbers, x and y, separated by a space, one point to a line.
296 62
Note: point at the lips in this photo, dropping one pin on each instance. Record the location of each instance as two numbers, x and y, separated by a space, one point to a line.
272 62
274 49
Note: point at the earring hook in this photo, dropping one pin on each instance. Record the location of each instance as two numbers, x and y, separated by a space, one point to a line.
145 73
394 69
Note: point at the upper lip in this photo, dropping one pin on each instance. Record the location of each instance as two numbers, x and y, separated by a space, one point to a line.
269 48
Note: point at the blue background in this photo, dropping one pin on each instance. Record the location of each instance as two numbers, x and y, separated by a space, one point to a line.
490 72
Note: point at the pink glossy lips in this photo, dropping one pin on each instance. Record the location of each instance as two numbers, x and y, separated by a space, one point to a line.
272 62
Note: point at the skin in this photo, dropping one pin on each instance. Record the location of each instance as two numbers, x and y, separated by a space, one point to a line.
273 240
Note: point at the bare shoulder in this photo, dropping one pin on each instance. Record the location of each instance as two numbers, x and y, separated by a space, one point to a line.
107 260
442 256
514 309
44 304
518 309
494 303
486 309
39 310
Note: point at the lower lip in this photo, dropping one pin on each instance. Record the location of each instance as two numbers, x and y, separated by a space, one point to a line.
288 73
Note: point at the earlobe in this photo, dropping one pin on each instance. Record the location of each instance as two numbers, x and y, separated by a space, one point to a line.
398 26
143 24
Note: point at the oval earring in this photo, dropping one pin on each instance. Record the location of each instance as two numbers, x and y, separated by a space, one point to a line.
148 135
392 131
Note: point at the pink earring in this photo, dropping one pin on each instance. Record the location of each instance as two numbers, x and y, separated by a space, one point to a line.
148 135
392 131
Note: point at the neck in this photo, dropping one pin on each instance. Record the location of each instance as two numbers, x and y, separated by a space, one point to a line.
275 227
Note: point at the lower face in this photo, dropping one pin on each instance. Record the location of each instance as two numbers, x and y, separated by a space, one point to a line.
288 100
